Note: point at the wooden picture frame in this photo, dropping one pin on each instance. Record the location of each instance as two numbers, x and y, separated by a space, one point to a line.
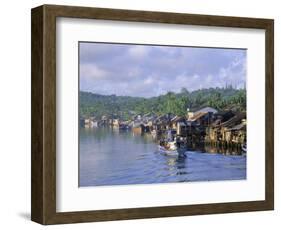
43 205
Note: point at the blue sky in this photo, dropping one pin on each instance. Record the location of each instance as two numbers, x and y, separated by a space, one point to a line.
147 71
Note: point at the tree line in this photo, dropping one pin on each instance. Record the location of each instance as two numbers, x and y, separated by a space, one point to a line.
124 107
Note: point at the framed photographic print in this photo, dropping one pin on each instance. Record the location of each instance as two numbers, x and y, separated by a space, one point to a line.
140 114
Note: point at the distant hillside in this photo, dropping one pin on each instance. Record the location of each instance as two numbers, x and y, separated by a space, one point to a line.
124 106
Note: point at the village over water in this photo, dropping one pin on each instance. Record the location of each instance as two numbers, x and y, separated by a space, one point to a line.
204 126
159 114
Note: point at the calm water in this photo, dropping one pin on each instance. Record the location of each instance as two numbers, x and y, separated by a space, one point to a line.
110 157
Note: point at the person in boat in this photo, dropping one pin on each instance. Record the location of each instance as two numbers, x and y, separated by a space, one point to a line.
164 144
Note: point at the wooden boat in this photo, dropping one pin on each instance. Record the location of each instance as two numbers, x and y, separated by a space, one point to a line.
168 151
171 149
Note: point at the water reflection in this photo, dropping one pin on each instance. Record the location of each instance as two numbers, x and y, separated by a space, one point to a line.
215 149
112 157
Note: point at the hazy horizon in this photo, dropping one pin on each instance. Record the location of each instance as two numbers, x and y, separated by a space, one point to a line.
156 95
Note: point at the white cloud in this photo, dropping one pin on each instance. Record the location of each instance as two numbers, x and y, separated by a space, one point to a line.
134 72
138 52
146 71
149 81
234 73
91 71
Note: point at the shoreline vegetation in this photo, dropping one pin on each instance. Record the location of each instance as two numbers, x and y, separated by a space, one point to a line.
214 116
227 98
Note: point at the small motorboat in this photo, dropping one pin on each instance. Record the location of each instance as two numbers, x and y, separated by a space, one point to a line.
171 149
168 148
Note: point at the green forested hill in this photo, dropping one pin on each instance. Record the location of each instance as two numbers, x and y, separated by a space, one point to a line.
123 106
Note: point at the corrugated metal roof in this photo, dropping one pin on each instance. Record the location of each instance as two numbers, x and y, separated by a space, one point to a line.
233 121
197 116
239 127
181 123
207 110
178 119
